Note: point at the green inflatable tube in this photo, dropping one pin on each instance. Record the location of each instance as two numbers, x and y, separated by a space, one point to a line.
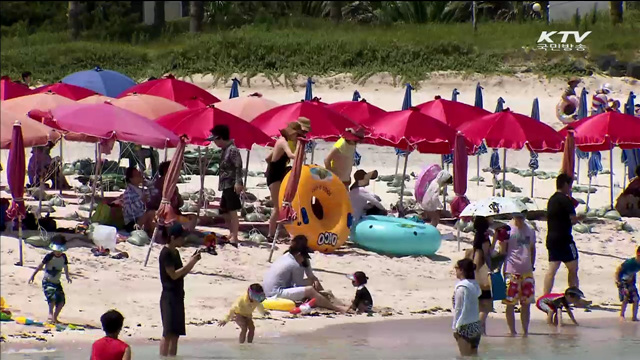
396 236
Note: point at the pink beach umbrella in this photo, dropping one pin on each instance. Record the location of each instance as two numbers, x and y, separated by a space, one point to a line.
95 99
247 108
42 101
15 178
149 106
32 132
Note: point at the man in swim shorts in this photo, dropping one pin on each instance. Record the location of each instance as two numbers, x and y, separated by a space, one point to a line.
285 278
340 159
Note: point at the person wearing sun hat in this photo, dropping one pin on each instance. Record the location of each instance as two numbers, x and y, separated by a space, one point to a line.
340 158
362 201
278 163
53 264
571 89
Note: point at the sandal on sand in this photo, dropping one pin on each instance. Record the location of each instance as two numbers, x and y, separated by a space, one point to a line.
100 251
224 242
122 255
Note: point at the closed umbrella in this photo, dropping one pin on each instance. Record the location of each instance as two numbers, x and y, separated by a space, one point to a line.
454 95
406 105
482 149
287 213
67 90
448 158
326 124
165 214
631 157
32 133
149 106
106 82
533 156
15 178
169 87
235 92
247 108
11 90
569 156
495 155
356 96
308 93
583 112
460 167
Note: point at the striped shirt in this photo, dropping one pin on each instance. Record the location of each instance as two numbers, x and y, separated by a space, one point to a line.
133 207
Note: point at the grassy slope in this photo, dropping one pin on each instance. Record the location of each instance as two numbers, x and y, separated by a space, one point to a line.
321 48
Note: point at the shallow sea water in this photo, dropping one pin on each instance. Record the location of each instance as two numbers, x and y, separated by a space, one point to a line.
401 339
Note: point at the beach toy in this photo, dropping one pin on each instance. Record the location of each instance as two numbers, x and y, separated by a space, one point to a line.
26 321
396 236
426 176
304 308
323 209
105 236
279 304
566 110
5 317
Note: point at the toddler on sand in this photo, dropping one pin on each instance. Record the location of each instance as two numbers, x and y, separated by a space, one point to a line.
53 264
626 281
242 312
363 302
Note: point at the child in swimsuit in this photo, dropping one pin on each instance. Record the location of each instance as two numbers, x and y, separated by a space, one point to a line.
552 304
626 282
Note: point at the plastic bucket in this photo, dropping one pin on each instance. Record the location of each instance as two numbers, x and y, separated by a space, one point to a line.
105 236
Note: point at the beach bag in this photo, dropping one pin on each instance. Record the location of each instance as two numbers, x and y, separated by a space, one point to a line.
498 287
139 238
108 215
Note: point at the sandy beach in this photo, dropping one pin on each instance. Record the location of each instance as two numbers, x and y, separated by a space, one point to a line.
402 288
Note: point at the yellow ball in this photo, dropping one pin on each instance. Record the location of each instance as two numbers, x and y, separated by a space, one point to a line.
537 7
323 209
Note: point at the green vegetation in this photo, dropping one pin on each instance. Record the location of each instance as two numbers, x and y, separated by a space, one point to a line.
314 46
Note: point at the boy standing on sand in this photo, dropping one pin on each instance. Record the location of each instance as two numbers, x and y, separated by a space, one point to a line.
110 347
172 274
242 312
53 264
626 282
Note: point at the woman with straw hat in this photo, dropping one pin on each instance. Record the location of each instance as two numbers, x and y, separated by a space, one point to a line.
278 161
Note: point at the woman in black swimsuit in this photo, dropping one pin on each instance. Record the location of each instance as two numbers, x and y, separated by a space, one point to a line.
277 168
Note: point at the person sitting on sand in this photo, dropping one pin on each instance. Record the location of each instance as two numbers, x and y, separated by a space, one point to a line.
628 203
362 201
155 198
600 99
520 256
363 302
242 312
44 168
552 305
340 158
467 327
626 282
110 347
277 165
285 278
53 264
431 200
134 199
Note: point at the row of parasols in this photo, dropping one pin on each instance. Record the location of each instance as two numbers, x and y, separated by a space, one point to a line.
158 112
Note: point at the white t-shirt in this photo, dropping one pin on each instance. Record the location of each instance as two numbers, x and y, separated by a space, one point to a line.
361 200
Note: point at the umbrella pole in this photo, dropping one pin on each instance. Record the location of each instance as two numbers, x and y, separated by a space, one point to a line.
95 180
201 198
504 170
61 168
273 244
404 173
577 174
20 263
397 165
166 152
624 177
40 197
532 180
313 153
458 236
589 193
246 169
153 237
610 174
478 170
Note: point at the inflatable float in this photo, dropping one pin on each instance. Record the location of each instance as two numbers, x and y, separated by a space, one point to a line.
323 209
277 304
396 236
426 176
565 111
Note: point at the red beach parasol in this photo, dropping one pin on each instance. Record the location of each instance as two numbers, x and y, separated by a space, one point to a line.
165 214
10 89
569 156
452 113
169 87
606 130
15 178
33 133
326 124
247 107
358 111
196 124
287 213
460 167
67 90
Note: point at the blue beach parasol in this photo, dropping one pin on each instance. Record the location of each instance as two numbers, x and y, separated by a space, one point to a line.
583 112
482 149
406 104
234 88
356 156
308 96
533 160
494 163
105 82
356 96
